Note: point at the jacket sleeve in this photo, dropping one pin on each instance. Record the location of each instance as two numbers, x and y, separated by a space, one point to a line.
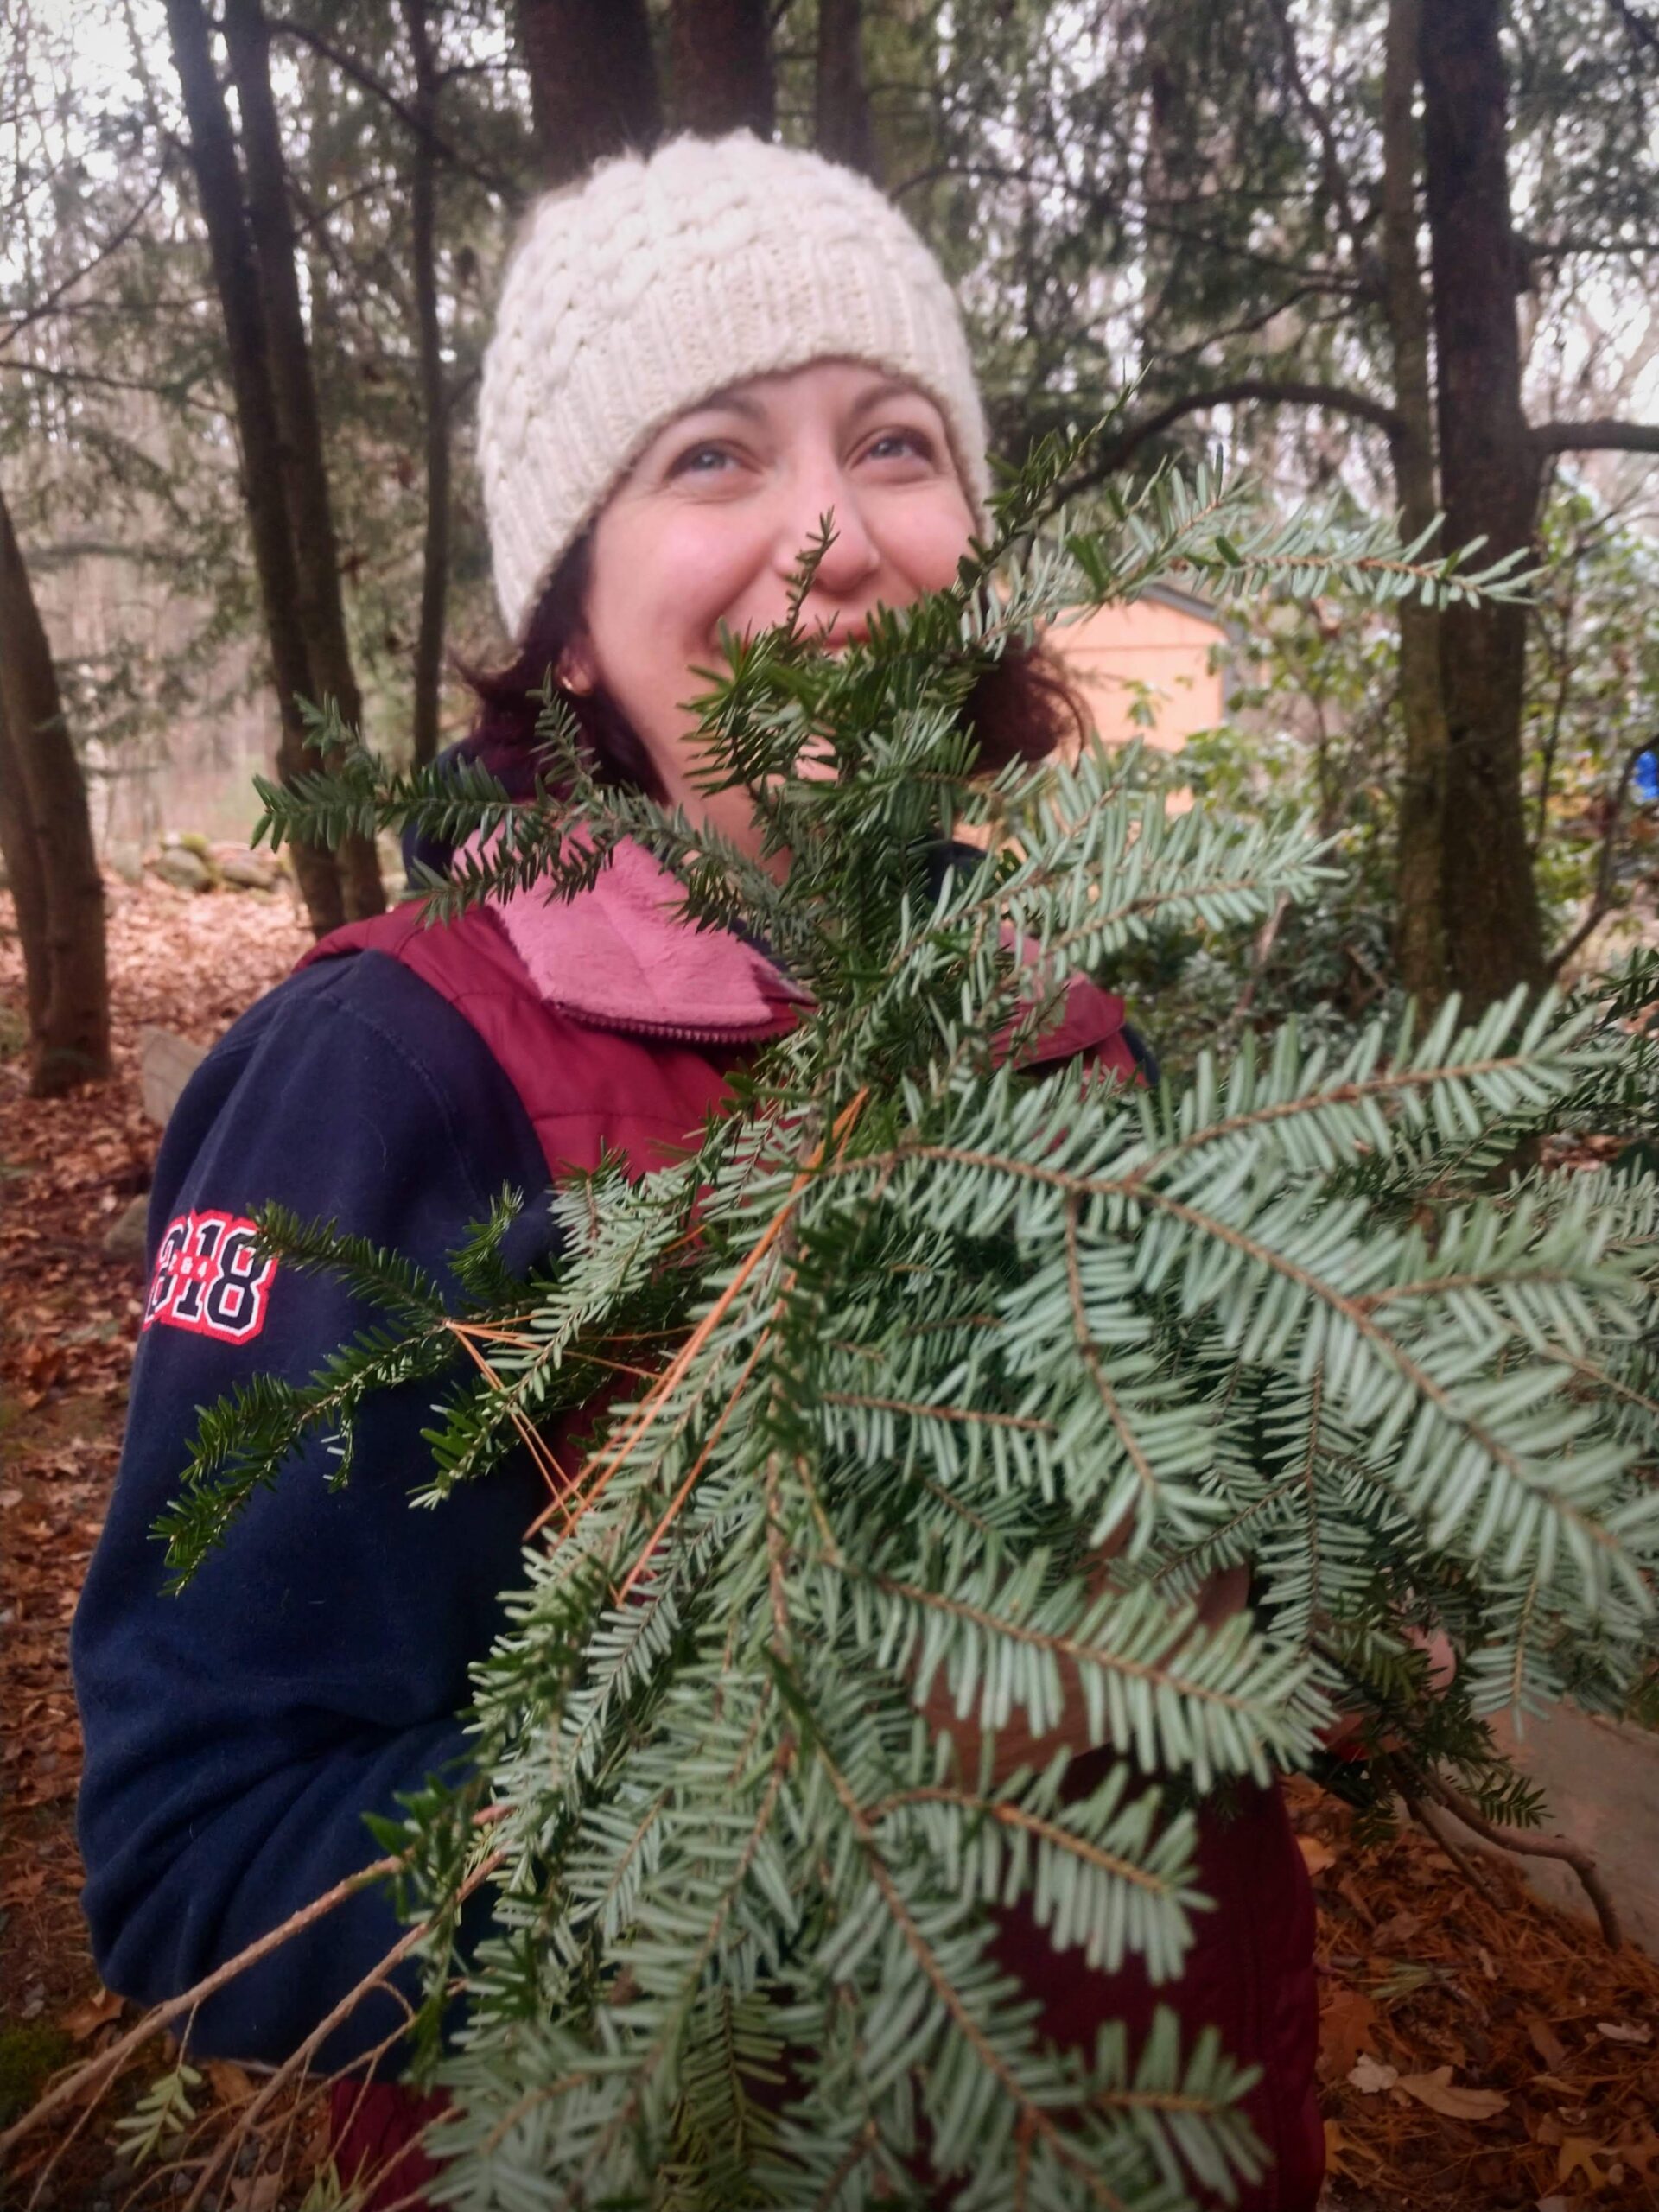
238 1733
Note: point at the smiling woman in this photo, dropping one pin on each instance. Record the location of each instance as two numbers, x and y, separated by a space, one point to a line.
705 532
698 357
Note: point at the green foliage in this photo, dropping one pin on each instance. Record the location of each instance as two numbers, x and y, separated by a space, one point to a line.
160 2117
976 1374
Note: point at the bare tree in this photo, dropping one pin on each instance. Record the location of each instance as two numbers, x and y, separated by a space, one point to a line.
720 59
46 834
434 402
284 483
593 81
1491 480
1420 926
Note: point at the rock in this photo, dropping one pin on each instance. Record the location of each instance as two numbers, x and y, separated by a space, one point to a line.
166 1063
248 872
125 860
183 869
125 1237
1601 1778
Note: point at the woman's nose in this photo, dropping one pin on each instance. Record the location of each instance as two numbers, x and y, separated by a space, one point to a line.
852 555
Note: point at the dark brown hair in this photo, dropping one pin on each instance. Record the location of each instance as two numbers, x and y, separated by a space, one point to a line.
1022 707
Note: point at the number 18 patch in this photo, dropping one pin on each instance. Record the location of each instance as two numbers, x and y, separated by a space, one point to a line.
211 1278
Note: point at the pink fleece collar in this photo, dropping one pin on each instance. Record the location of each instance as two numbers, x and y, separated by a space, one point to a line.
620 955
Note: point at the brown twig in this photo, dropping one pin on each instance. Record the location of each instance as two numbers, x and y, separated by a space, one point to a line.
1534 1847
108 2063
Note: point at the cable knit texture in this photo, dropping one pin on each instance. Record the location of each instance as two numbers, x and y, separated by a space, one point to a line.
638 294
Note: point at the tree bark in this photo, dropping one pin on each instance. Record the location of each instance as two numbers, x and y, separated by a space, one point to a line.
720 60
593 81
305 472
47 834
22 863
1420 924
219 188
434 406
842 129
1490 478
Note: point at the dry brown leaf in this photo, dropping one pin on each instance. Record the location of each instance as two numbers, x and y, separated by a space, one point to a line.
91 2014
1316 1856
230 2084
1544 2041
1440 2093
1370 2074
1578 2155
1399 1927
1347 2026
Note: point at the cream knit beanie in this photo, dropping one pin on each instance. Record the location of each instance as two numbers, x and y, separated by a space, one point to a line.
634 296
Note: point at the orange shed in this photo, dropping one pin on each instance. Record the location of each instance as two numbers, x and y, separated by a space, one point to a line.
1155 656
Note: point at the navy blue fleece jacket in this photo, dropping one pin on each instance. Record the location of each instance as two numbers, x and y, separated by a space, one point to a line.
236 1734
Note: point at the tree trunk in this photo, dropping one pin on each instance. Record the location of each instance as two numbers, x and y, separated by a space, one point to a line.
23 863
435 553
305 473
593 81
1421 927
841 121
47 834
219 188
1490 477
721 67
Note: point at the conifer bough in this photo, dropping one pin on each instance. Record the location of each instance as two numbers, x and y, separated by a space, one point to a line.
960 1383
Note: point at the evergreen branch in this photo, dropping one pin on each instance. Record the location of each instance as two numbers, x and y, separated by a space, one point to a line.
1031 2116
1157 1732
1015 1816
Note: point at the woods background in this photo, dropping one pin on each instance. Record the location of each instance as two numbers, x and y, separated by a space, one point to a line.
1393 257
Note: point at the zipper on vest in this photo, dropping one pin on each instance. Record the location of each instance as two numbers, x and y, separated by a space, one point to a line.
673 1033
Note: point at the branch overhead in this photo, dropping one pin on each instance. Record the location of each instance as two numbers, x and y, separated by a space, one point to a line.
1264 390
1602 434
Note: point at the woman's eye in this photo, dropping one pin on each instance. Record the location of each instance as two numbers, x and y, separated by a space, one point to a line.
901 445
701 460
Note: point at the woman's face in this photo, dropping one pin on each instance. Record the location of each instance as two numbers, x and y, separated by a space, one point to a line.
713 518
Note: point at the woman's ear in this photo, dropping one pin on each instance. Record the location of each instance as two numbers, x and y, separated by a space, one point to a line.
575 672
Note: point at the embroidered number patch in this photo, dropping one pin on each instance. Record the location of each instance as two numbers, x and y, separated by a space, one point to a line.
210 1277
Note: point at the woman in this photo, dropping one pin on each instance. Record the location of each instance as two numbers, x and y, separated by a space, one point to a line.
697 358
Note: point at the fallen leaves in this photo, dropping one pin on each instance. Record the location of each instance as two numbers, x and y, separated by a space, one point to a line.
1441 2094
1436 2089
71 1316
1461 2044
1548 2045
93 2014
1370 2074
1347 2027
1577 2157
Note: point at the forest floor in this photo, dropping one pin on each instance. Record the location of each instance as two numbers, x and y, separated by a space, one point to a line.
1477 2047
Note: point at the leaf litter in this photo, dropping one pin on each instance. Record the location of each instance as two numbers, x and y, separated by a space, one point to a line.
1463 2057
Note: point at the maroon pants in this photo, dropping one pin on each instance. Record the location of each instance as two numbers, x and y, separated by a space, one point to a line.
1250 1975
